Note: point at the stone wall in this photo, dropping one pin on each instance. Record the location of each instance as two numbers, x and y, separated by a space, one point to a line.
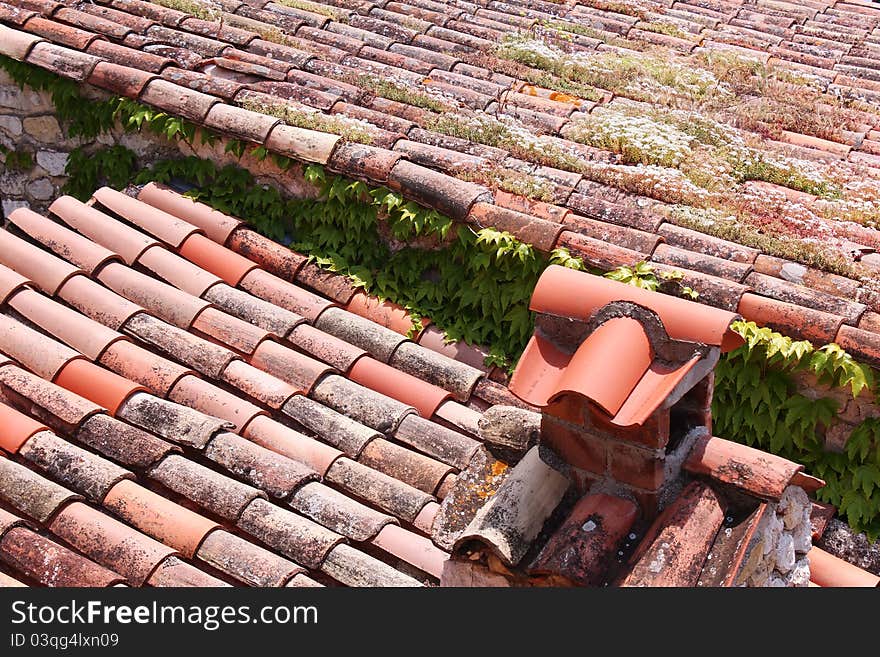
777 553
851 412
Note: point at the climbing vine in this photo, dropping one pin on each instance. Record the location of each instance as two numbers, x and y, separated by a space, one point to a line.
476 284
756 402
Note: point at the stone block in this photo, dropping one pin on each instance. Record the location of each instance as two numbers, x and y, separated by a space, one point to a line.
43 128
41 189
54 162
10 125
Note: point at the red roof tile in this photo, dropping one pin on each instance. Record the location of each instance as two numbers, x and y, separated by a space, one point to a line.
828 570
677 543
216 225
17 428
569 293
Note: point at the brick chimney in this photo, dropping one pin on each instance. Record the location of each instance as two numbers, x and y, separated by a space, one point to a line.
624 379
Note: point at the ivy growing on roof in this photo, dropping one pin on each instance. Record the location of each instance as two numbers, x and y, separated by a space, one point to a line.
756 402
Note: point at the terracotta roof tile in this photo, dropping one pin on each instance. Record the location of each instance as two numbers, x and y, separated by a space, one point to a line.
795 321
761 474
273 257
217 493
122 442
286 295
288 365
804 296
95 225
325 347
138 364
40 354
15 15
201 395
17 428
97 384
163 15
282 439
177 100
334 286
302 540
235 333
458 417
435 340
359 403
436 441
132 20
259 385
525 499
173 572
336 429
172 305
30 493
731 547
59 408
595 253
88 474
169 229
271 472
216 225
583 548
158 517
554 295
203 356
381 490
179 424
301 144
828 570
354 568
59 33
86 336
338 512
48 272
378 376
51 564
179 272
246 562
10 283
412 548
405 465
673 552
109 542
17 44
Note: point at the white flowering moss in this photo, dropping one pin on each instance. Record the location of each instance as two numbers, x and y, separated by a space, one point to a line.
638 139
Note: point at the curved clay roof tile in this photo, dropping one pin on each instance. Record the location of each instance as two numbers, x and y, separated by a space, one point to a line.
97 384
423 396
10 283
71 246
78 331
216 225
828 570
104 230
178 271
217 259
97 302
568 293
17 428
48 272
168 303
159 517
166 227
39 353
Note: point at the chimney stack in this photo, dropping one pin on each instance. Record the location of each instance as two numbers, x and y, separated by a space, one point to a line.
624 379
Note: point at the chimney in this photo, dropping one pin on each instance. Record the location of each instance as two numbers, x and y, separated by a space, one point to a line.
623 378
